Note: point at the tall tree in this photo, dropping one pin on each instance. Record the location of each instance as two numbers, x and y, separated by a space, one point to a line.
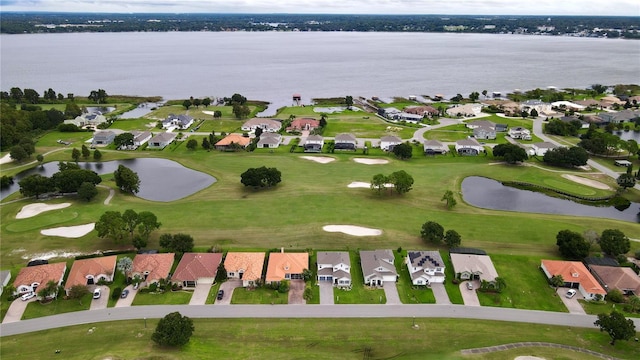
206 144
616 325
124 139
35 185
126 179
449 198
173 330
349 101
97 155
378 182
192 144
112 226
556 281
87 191
452 238
131 221
148 223
432 232
85 152
186 104
18 153
31 96
402 181
510 152
40 159
614 242
179 243
75 154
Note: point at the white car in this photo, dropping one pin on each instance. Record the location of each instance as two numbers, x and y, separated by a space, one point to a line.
28 296
571 293
96 294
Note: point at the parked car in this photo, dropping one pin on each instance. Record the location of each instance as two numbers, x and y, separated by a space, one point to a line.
28 296
96 293
571 293
220 294
124 294
469 285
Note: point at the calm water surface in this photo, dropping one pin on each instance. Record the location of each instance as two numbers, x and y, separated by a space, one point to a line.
272 66
160 179
491 194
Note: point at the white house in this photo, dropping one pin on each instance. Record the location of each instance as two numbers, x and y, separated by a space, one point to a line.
541 148
334 266
181 122
519 133
541 107
378 267
161 140
388 142
103 138
93 119
466 110
269 140
425 267
141 137
313 143
267 125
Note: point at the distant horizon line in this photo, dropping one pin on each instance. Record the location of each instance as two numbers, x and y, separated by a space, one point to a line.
303 14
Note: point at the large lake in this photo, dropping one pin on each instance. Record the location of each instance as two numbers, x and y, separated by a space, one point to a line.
273 65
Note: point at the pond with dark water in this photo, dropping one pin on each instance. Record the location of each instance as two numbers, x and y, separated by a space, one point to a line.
628 135
491 194
160 179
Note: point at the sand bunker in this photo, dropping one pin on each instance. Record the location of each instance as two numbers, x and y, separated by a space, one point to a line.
207 112
528 357
352 230
6 159
360 184
588 182
30 210
371 161
319 159
70 231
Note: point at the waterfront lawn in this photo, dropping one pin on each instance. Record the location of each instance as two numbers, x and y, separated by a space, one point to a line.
262 295
527 288
58 306
320 339
408 293
179 297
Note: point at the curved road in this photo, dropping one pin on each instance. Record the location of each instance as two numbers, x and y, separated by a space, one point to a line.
305 311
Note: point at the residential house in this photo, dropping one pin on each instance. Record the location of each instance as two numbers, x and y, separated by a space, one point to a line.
161 140
466 110
520 133
388 112
196 268
103 138
424 111
141 137
269 140
334 266
5 276
31 277
469 147
501 127
623 279
286 266
407 117
473 267
432 147
388 142
91 271
313 144
303 124
481 123
378 267
180 122
575 275
425 267
541 148
267 125
627 115
246 266
345 142
152 267
484 132
93 120
233 142
541 107
567 105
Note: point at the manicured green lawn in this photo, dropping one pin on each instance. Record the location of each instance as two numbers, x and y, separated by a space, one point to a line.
262 295
213 292
527 287
453 290
410 294
359 293
595 308
166 298
311 339
222 125
58 306
135 124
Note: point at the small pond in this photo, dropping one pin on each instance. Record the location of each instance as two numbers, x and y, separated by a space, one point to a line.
160 179
628 135
491 194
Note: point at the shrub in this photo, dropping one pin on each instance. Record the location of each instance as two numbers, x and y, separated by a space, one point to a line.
115 294
615 296
153 287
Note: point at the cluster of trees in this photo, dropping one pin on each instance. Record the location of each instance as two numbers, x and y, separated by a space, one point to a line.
126 179
19 126
559 127
98 96
239 105
511 153
31 96
120 226
604 143
23 150
261 177
197 102
566 157
575 246
400 180
179 243
434 233
69 179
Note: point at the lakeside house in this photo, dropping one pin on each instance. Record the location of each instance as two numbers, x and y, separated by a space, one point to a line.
141 137
103 138
161 140
303 124
181 122
424 111
541 107
92 119
345 142
267 125
151 268
466 110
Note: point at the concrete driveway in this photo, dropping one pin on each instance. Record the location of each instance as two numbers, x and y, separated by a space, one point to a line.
573 305
296 292
326 293
470 297
391 292
100 303
16 309
129 299
440 294
228 286
200 294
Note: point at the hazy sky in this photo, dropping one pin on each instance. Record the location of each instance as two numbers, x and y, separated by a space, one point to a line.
471 7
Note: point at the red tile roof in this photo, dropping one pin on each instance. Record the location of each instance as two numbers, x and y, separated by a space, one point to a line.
576 272
105 265
40 274
194 266
157 266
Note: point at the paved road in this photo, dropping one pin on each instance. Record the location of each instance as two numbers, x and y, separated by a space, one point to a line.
305 311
